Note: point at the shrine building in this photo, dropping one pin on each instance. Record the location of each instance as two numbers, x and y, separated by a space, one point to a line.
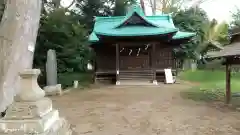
135 47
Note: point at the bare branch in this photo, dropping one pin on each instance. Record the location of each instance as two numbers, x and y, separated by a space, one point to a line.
73 2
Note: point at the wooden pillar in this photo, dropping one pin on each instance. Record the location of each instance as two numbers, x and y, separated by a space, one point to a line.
228 82
117 65
153 56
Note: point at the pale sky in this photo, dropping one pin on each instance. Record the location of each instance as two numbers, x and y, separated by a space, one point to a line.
218 9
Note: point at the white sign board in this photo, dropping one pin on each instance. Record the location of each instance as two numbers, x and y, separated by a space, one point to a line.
168 76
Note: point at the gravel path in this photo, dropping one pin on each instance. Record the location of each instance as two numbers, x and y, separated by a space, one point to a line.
143 111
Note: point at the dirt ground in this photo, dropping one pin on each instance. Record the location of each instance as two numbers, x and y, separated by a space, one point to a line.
143 111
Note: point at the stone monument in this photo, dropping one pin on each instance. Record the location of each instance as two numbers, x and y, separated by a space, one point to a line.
52 87
31 112
51 68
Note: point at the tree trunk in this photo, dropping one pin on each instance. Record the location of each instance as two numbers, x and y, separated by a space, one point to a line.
18 32
143 6
153 5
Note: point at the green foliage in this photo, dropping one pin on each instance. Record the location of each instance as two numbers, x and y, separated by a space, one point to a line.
191 20
222 33
215 34
91 8
187 50
203 76
121 7
171 6
68 37
88 9
2 7
236 18
208 33
67 78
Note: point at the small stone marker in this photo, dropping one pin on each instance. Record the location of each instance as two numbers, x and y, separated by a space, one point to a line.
75 84
31 112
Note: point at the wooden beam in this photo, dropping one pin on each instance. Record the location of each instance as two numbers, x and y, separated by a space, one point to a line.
228 83
154 62
117 64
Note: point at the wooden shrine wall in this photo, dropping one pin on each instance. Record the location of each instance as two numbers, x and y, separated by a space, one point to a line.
106 58
134 57
164 57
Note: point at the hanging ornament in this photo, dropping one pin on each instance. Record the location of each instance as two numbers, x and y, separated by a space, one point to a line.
130 52
121 49
138 51
146 47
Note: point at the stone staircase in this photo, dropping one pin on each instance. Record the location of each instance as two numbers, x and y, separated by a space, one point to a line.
136 77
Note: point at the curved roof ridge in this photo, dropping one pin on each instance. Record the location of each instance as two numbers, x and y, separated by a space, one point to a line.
161 15
135 9
107 17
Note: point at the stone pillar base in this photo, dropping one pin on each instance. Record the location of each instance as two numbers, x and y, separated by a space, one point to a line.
32 113
59 127
33 118
155 82
53 90
117 82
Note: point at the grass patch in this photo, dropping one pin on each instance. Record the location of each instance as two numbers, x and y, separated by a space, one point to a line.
66 79
202 76
211 85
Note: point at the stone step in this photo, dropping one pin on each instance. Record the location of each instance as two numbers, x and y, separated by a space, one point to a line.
135 78
136 83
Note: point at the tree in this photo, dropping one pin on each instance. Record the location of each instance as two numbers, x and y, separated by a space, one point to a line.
63 33
215 34
2 7
121 6
222 33
191 20
236 19
18 32
208 33
173 6
143 6
88 9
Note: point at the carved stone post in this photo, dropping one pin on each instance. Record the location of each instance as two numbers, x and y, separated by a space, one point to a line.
117 65
32 113
154 63
51 68
52 87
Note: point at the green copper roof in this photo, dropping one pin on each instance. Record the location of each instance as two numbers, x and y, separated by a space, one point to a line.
135 11
135 23
136 31
93 37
